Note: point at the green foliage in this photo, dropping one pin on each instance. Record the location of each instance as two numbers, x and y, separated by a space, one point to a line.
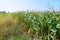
26 25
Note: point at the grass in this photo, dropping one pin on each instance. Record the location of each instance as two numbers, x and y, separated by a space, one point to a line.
10 30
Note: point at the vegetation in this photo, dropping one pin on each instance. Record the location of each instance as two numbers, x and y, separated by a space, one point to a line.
30 26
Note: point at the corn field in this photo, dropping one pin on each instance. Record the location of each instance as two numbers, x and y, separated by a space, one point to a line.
30 26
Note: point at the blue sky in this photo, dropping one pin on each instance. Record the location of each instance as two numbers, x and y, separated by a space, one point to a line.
19 5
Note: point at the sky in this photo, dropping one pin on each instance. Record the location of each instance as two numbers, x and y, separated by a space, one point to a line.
23 5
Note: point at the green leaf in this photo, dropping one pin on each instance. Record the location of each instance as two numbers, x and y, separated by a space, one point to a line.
58 26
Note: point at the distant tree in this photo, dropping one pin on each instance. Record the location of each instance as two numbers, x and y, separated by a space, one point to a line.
2 11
